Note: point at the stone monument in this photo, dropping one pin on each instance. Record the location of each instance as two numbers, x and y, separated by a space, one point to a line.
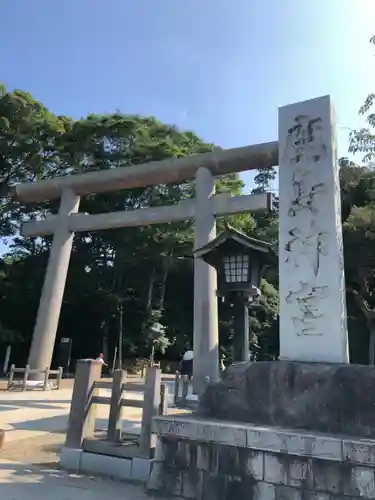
311 268
300 428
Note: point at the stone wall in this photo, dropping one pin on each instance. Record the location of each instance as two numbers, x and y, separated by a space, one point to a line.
305 467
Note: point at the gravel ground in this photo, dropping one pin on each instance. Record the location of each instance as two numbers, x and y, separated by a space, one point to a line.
39 450
19 482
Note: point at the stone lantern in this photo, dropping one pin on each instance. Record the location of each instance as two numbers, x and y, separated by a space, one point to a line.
239 261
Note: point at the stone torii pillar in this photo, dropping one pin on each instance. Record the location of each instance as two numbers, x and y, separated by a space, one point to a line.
206 331
47 320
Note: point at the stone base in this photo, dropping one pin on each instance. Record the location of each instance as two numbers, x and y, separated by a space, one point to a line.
321 397
201 459
32 385
38 384
124 469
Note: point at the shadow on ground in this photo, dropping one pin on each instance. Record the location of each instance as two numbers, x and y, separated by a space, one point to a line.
35 404
30 483
45 448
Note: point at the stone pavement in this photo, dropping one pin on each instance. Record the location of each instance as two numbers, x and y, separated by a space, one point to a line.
18 482
35 424
35 413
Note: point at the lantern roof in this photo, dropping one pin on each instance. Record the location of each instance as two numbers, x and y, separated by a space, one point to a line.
231 237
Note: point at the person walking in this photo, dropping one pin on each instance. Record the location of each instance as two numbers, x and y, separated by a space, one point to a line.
100 358
222 364
186 365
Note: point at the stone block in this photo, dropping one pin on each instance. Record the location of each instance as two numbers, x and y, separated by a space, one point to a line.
192 454
313 495
118 468
70 459
190 484
140 469
359 452
300 473
172 481
253 464
232 436
264 491
294 443
156 478
288 493
310 445
228 462
263 438
186 454
320 397
196 429
276 469
360 482
320 447
170 451
207 458
159 450
238 488
212 487
327 477
182 454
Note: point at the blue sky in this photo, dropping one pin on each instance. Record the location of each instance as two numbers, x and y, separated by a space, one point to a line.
218 67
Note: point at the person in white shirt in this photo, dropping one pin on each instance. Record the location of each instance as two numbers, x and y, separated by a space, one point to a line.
222 364
100 358
186 365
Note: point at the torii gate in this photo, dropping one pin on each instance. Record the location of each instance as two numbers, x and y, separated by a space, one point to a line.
202 210
308 186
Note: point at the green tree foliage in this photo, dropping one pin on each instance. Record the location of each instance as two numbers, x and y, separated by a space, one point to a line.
363 140
358 212
30 139
139 270
358 193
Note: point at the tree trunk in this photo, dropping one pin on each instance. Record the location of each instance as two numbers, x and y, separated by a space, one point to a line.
152 356
120 338
166 266
150 291
105 349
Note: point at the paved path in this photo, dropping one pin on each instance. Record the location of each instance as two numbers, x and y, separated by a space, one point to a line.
18 482
35 424
32 414
36 413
